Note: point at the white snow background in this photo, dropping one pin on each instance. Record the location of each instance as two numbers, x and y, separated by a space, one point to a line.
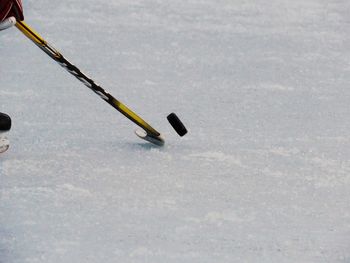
263 174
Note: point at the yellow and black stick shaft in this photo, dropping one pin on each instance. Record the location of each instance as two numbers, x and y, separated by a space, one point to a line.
60 59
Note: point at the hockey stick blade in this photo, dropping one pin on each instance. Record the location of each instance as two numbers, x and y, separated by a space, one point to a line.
159 141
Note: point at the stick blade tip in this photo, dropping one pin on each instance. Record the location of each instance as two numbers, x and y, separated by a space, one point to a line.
159 141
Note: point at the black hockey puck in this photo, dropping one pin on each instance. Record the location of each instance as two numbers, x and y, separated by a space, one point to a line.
178 126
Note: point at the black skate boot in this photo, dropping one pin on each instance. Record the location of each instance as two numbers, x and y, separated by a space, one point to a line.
5 122
5 126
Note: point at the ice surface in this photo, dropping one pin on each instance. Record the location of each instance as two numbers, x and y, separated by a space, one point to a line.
263 174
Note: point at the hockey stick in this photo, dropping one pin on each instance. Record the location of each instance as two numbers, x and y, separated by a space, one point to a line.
149 134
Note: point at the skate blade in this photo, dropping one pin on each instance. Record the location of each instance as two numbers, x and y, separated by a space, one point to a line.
4 144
